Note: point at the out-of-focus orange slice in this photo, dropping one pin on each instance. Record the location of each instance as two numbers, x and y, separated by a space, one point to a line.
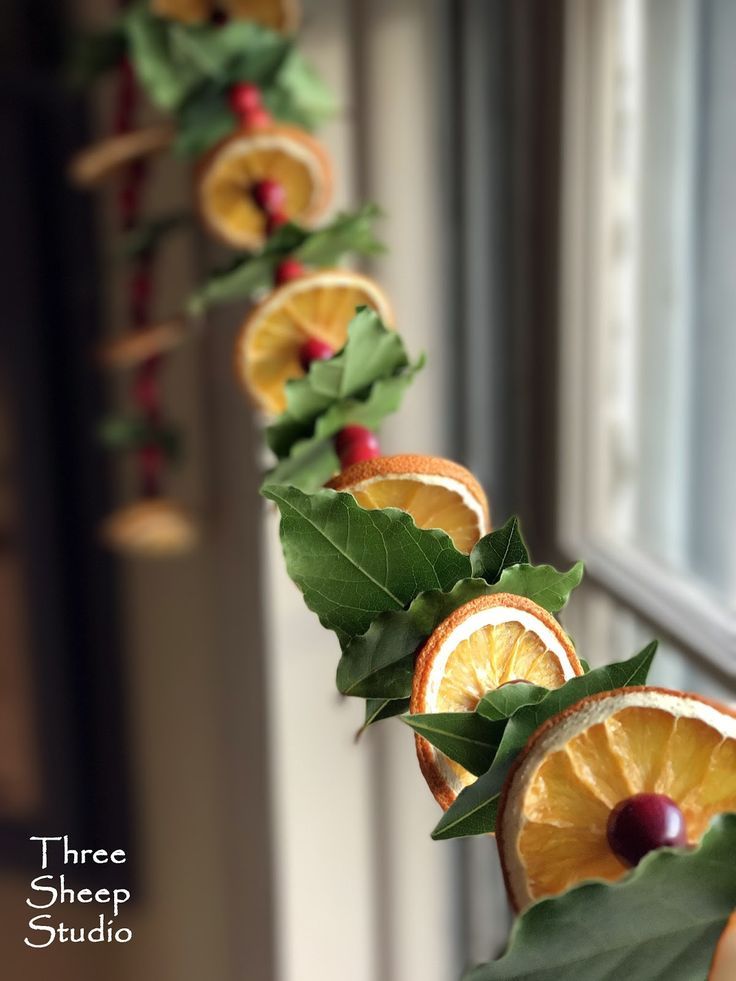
553 817
279 15
231 170
319 305
96 163
141 343
154 527
486 643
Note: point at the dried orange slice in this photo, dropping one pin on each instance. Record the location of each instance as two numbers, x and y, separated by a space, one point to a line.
152 527
137 345
104 159
186 11
229 173
319 305
723 967
553 817
437 493
279 15
486 643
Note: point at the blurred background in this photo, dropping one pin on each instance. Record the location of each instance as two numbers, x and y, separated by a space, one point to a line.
560 182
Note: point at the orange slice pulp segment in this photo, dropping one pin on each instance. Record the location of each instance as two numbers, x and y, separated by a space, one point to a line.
552 823
437 493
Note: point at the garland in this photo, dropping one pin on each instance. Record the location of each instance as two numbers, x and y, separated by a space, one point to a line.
403 586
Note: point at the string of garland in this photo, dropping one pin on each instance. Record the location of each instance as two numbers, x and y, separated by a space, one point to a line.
395 555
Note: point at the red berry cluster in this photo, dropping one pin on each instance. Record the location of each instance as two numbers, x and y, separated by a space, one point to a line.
145 388
245 102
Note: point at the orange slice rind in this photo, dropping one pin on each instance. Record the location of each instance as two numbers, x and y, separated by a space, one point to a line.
279 15
553 814
186 11
321 305
437 493
488 642
155 527
230 171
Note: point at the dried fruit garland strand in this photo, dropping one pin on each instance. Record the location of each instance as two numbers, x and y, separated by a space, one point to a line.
145 388
353 443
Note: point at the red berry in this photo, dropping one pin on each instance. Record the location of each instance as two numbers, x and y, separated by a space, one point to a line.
314 350
245 98
257 119
357 452
287 270
274 222
354 434
356 443
639 824
270 196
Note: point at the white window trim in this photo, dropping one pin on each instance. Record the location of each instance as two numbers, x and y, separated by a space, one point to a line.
690 616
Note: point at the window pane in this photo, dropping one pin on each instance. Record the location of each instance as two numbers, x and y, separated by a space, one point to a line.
662 434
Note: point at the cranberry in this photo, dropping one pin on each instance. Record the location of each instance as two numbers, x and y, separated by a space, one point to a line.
314 350
639 824
270 196
245 98
259 118
354 444
287 270
354 434
357 452
274 222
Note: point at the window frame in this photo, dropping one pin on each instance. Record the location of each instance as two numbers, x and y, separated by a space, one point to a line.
697 622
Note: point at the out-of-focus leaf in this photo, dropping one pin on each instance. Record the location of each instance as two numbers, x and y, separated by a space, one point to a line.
125 433
372 352
146 237
246 275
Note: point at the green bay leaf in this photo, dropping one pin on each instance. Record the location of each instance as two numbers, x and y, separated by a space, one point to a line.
474 811
501 703
380 664
378 709
543 584
466 737
499 549
353 564
661 922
